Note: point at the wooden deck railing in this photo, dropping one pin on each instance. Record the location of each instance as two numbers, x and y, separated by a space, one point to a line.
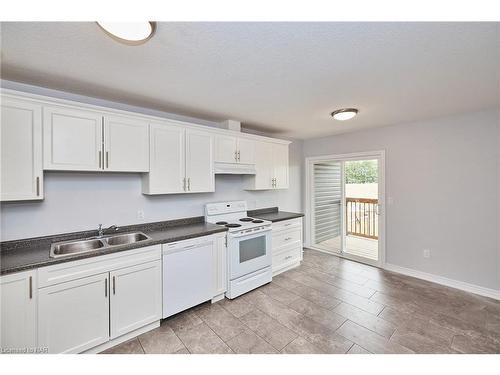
361 217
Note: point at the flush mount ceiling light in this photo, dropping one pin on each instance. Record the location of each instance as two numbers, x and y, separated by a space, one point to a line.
131 33
344 114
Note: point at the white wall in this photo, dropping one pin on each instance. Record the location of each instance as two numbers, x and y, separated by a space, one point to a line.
444 178
79 201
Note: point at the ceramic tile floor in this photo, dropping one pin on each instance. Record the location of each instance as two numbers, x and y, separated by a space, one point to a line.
332 305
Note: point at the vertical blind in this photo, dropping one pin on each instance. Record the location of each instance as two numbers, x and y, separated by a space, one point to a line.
327 200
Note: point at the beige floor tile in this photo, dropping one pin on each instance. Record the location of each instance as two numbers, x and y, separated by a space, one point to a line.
160 341
370 340
356 349
278 293
269 329
200 339
419 344
128 347
248 342
478 345
183 320
367 320
321 336
319 314
301 346
222 322
238 306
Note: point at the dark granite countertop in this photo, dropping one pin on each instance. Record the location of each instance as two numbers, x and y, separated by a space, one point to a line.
19 255
273 214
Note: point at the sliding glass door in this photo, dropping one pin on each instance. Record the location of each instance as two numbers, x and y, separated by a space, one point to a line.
344 206
327 205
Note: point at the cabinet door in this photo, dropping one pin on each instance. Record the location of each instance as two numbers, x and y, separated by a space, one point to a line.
126 142
72 139
167 155
225 149
21 150
74 316
264 170
135 297
18 311
246 151
280 162
199 161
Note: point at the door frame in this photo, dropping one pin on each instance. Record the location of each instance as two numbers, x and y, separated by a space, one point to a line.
365 155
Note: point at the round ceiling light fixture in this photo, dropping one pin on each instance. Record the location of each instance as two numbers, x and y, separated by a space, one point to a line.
131 33
344 114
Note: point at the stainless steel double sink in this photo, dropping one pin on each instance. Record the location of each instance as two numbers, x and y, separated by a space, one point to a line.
66 248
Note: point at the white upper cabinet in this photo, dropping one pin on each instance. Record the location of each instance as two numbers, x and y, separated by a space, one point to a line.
168 160
18 310
271 167
126 144
226 149
72 139
230 149
182 160
264 170
280 165
80 140
199 161
21 172
246 151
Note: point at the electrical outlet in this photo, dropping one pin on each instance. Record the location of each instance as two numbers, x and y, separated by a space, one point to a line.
427 253
140 214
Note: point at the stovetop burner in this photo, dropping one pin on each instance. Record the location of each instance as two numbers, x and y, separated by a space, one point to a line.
221 223
233 225
246 219
257 221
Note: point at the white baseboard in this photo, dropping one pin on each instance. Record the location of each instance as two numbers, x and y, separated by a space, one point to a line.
472 288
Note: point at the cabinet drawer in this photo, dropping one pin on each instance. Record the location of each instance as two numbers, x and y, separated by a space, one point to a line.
286 258
77 269
287 237
287 224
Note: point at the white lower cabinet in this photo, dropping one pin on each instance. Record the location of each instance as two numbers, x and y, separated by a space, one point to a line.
86 303
18 312
135 297
74 316
287 245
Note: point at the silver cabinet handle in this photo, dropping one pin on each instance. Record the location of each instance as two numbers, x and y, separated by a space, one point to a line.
38 186
107 159
106 287
31 287
189 183
114 289
239 156
184 184
100 159
288 257
288 238
235 155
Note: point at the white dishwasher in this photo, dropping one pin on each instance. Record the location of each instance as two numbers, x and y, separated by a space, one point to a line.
188 274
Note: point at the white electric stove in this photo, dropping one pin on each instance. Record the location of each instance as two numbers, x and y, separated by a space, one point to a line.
248 246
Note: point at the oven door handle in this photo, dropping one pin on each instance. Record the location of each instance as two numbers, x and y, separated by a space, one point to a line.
249 234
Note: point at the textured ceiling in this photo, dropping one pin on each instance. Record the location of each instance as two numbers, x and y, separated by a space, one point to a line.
279 77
